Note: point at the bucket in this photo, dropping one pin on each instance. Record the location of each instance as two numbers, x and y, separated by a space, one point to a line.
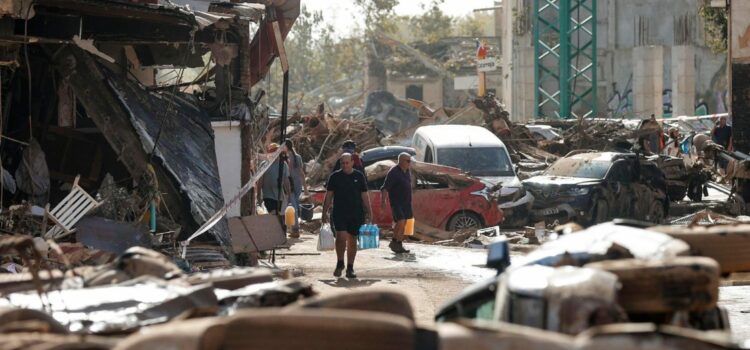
306 211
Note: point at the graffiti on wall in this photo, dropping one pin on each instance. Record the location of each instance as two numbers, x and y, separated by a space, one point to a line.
701 106
620 103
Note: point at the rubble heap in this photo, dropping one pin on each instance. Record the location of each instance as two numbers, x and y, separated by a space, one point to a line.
318 138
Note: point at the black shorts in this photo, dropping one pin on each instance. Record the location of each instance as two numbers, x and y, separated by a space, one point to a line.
271 204
347 223
401 212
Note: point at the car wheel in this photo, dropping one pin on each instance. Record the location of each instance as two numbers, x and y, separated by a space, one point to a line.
464 220
602 212
677 193
656 215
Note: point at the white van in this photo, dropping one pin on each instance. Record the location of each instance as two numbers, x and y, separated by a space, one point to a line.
478 152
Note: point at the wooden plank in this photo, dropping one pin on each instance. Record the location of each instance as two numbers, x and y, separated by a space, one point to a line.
661 286
256 233
70 209
729 245
69 200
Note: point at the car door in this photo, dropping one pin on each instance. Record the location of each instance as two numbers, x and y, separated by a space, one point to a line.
380 216
619 181
433 202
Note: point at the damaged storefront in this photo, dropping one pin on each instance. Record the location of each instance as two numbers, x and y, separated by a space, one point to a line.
106 110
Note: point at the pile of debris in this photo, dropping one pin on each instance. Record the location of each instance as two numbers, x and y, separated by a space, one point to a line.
119 295
318 137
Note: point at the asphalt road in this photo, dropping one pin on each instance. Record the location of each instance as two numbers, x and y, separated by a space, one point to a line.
429 275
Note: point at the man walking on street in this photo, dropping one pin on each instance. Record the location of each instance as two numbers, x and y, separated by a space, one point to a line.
347 188
398 187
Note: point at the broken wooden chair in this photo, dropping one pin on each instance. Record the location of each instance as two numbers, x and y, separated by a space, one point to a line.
69 211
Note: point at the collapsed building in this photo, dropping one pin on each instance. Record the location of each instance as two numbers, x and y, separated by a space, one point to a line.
126 90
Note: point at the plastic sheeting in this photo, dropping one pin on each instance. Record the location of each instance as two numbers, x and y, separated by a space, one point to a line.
32 175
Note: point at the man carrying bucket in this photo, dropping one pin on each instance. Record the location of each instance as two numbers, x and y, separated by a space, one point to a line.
398 186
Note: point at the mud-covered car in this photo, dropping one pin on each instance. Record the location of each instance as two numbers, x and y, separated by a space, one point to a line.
443 197
593 187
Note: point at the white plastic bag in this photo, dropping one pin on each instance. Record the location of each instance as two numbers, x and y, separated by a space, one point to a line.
325 239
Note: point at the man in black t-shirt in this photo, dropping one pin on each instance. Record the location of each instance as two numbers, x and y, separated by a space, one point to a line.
347 189
722 134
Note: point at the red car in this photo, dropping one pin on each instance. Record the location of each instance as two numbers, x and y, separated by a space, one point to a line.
442 197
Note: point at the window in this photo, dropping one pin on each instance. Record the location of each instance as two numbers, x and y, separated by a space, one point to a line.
477 161
620 172
428 155
414 92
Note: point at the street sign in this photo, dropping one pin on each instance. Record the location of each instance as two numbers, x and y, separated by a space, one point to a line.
487 65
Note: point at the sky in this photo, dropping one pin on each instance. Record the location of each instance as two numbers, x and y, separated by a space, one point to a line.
344 17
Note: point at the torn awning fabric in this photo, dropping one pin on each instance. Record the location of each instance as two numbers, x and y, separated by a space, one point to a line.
185 147
130 118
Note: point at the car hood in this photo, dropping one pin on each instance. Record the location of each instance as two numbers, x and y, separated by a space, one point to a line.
557 181
505 181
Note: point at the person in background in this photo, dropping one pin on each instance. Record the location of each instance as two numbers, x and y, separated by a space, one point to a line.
347 191
673 146
269 185
297 182
722 134
350 147
397 186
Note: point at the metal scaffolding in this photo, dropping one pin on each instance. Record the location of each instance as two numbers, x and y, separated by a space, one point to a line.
565 58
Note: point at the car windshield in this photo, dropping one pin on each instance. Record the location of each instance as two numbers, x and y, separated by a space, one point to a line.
586 168
484 161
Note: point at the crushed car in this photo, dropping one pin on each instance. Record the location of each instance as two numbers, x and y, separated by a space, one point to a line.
592 187
480 153
443 197
607 274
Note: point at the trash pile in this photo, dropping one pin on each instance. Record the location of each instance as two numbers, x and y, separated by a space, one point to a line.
318 137
119 295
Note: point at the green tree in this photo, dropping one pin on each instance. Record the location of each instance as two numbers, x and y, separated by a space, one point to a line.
379 14
474 25
433 24
715 22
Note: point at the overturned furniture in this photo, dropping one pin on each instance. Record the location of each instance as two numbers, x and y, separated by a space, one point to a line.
67 213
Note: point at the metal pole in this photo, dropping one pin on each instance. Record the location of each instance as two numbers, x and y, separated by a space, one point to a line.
282 135
594 66
537 61
564 18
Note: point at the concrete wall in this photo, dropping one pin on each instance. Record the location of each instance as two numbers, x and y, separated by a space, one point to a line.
523 85
432 90
623 25
228 157
648 80
683 80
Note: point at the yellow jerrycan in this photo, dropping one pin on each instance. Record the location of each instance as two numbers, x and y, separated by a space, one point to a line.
409 229
289 216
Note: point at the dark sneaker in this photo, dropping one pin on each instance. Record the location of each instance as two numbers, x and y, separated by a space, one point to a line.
401 245
394 247
337 272
350 274
397 247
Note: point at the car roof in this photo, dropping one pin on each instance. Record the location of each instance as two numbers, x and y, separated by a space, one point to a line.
455 136
601 156
386 151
